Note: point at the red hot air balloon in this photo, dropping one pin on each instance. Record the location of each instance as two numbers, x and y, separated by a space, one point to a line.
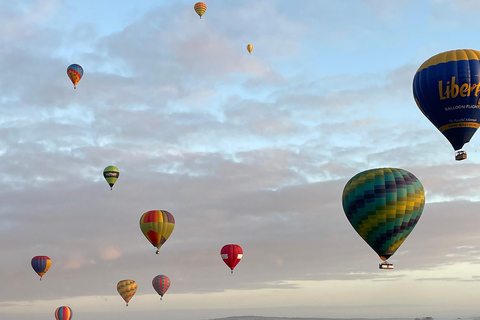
161 284
231 255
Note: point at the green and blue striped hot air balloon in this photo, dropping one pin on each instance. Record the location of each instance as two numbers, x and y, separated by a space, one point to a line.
383 205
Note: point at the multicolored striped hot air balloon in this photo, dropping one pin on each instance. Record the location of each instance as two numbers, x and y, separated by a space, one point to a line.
383 205
231 255
111 174
446 88
249 48
75 73
157 226
127 288
161 284
41 264
200 8
63 313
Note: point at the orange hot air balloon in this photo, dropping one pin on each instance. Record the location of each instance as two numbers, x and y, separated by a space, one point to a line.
200 8
157 226
75 73
249 48
127 288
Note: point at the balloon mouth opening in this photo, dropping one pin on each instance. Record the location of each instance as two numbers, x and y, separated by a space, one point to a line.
385 257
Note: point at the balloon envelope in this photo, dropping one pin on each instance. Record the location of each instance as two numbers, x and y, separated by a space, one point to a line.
63 313
231 255
161 284
127 288
200 8
383 205
41 264
157 226
446 88
75 73
111 174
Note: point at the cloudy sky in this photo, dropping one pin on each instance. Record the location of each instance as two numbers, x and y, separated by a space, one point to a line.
248 149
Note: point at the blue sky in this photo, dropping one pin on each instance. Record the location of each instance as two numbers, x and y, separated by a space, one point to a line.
249 149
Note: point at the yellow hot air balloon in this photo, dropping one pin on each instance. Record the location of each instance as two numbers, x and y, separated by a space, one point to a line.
200 8
127 288
157 226
249 48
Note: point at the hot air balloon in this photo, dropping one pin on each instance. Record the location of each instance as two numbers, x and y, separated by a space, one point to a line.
127 288
446 88
383 205
41 264
231 255
63 313
200 8
75 73
249 48
111 174
157 226
161 284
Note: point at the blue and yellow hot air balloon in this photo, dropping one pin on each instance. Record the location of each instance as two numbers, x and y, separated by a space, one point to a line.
446 88
157 226
41 264
75 73
383 205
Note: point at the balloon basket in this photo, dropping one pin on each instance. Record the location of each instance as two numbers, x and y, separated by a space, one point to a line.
460 155
385 265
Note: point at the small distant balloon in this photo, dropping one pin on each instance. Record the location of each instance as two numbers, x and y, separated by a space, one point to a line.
250 48
41 264
75 73
157 226
161 284
231 255
63 313
111 174
127 288
200 8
